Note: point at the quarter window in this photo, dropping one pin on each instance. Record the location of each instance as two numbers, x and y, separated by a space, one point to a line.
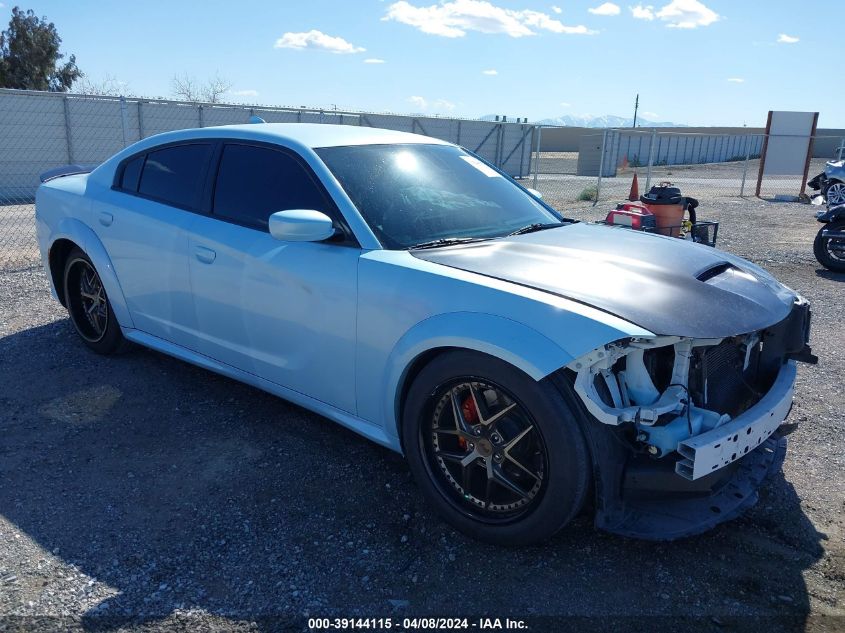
255 182
174 174
132 174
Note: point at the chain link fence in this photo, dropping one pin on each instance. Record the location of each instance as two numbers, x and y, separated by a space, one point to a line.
42 130
704 166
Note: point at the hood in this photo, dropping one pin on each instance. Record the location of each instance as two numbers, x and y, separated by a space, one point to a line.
663 284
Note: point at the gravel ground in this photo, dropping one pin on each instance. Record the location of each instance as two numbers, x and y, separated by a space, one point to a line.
559 184
138 492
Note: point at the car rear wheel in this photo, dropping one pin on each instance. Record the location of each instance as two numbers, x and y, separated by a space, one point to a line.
499 455
89 307
829 251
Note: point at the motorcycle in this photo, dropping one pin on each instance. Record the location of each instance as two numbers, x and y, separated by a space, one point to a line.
829 245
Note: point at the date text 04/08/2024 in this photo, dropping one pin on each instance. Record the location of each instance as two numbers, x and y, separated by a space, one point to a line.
412 624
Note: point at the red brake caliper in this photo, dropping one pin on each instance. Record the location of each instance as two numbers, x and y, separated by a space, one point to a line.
470 415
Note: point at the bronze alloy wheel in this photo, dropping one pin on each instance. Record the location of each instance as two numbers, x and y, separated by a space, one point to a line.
484 451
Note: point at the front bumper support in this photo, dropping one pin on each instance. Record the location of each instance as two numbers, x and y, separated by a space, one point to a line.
716 449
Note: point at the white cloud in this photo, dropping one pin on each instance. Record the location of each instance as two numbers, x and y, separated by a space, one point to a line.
736 80
651 115
418 102
547 23
453 18
565 104
608 8
439 105
687 14
641 12
317 40
374 60
783 38
244 93
557 10
490 72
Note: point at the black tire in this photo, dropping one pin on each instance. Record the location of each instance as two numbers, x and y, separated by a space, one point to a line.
93 319
557 443
821 248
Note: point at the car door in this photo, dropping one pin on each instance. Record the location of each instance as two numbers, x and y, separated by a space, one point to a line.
284 311
142 221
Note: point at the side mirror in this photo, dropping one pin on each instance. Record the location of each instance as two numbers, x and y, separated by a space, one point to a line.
535 193
301 225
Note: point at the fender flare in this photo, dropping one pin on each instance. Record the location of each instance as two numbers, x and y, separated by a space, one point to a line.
83 236
506 339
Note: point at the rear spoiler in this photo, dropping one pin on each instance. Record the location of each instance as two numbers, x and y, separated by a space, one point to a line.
66 170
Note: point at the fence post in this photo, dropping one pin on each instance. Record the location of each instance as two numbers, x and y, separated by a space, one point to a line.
458 141
537 161
601 167
124 120
199 115
67 131
498 151
140 121
521 153
745 166
650 159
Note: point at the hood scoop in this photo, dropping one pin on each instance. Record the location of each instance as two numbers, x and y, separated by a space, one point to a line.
714 271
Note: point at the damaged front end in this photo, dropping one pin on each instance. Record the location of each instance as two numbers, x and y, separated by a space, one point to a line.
687 429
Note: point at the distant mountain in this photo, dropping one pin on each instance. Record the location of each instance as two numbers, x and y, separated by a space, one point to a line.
608 120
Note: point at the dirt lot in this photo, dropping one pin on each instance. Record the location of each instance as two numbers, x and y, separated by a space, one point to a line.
140 492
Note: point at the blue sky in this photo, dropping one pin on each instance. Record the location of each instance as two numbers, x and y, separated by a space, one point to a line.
700 62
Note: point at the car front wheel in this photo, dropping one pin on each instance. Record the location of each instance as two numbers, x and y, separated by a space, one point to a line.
835 193
499 455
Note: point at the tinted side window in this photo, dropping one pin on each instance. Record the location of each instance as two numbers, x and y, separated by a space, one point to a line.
132 174
174 174
255 182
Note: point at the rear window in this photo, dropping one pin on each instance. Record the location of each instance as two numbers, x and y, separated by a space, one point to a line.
174 175
255 182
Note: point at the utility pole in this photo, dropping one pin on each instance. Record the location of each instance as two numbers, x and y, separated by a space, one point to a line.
636 107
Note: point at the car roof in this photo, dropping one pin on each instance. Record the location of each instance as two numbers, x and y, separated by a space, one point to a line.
313 135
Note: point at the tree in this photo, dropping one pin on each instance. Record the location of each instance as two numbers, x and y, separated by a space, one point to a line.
187 87
30 57
110 86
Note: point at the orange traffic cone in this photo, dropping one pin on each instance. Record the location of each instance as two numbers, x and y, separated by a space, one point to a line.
634 195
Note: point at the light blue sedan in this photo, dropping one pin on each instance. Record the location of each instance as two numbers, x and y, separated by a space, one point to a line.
405 288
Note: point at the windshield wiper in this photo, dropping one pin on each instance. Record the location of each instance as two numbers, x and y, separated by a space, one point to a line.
446 241
536 226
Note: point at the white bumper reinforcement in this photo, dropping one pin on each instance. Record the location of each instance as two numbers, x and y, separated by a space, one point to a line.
715 449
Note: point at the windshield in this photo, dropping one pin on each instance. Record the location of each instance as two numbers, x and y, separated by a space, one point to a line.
414 194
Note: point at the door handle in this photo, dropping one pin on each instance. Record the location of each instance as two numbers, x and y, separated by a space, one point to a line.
205 255
106 218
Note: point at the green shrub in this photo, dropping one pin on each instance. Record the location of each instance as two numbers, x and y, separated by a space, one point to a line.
589 194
